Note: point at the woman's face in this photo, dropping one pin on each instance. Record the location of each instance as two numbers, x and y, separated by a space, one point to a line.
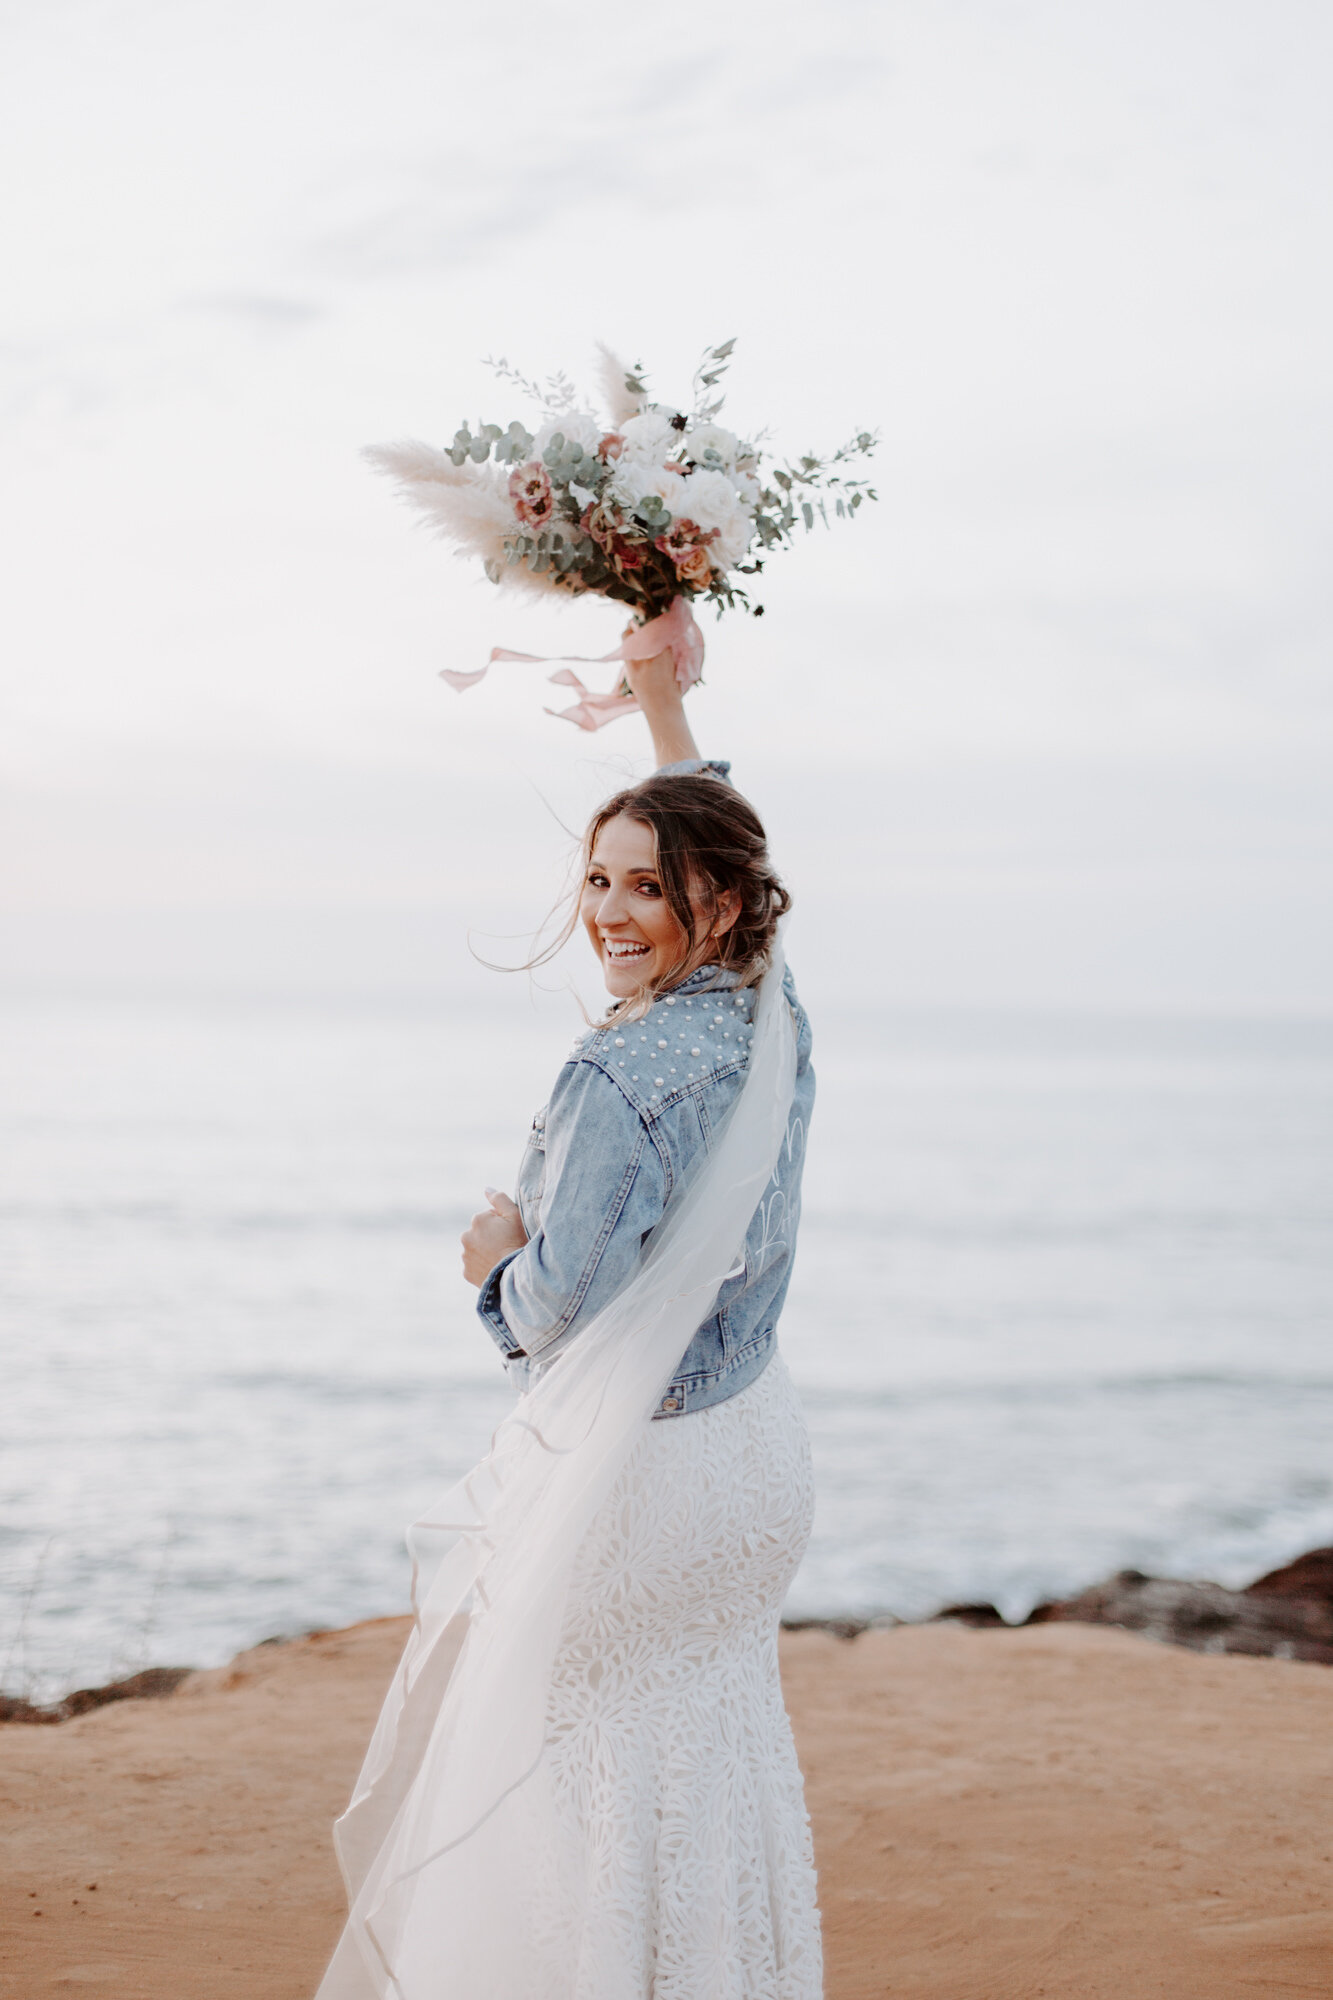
625 913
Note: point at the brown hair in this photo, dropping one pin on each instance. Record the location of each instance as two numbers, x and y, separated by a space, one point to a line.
709 843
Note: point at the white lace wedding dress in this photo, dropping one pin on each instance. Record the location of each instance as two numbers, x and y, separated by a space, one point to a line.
683 1867
597 1797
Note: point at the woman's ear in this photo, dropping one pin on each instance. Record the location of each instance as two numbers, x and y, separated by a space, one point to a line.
728 910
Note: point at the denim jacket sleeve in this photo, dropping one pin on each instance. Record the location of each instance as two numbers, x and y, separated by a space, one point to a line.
694 767
606 1178
605 1186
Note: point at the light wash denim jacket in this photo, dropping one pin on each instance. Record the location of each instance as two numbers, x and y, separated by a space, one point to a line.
630 1109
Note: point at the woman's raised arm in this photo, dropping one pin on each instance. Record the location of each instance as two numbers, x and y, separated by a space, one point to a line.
654 686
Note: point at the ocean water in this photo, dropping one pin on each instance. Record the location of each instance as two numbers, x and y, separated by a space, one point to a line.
1063 1303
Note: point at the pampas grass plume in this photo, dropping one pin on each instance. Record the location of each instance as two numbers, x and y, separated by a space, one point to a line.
466 504
621 402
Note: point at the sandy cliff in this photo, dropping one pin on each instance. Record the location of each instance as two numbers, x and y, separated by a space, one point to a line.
1060 1811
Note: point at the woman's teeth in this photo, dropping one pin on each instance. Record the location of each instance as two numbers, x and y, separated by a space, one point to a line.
625 950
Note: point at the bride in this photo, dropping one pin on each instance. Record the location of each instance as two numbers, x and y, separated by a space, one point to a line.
583 1784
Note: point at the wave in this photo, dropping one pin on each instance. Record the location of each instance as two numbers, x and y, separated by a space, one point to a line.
992 1391
182 1219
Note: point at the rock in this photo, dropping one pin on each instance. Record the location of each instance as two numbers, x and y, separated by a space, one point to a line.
150 1685
838 1628
1268 1619
1310 1575
968 1614
844 1628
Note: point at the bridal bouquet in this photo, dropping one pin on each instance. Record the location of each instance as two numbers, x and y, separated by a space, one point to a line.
654 507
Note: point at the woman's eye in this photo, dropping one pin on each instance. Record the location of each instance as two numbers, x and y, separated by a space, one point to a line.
596 881
649 889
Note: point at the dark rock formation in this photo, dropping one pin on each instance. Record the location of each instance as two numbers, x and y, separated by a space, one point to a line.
969 1614
1287 1615
843 1628
147 1686
1309 1576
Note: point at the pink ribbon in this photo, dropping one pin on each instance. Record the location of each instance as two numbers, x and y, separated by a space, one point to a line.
675 630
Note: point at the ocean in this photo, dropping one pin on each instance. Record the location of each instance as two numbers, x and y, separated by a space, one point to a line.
1063 1304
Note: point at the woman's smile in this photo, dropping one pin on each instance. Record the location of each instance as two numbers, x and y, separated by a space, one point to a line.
629 922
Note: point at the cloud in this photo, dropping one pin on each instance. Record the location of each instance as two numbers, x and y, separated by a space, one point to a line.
266 314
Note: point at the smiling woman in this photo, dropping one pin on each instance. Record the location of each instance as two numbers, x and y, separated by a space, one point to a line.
676 873
608 1805
632 925
681 905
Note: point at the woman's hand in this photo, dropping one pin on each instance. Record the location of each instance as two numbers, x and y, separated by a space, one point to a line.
490 1236
654 686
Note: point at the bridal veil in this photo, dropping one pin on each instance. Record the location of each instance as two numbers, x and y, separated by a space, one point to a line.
451 1815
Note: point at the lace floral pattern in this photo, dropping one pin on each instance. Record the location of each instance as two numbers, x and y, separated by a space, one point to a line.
684 1868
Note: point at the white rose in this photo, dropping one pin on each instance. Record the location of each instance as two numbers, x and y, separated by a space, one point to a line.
628 484
650 435
575 427
712 501
633 481
711 437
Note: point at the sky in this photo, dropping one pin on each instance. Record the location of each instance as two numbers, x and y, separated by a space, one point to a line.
1048 726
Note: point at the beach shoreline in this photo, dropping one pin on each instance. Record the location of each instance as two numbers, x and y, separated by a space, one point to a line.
1285 1614
1056 1810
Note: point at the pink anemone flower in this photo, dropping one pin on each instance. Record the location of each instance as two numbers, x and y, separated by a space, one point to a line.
530 491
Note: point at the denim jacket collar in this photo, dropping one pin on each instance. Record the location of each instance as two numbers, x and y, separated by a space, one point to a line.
711 978
707 979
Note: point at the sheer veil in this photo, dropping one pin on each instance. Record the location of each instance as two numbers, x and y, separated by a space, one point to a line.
451 1818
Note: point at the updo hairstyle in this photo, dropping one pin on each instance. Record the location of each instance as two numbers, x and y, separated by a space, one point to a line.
709 841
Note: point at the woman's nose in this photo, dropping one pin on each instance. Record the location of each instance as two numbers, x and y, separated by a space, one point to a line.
611 909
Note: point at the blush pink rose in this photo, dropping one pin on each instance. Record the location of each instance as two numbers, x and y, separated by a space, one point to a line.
611 446
695 569
684 544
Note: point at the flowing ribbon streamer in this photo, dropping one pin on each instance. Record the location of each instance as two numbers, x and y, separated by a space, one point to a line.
676 630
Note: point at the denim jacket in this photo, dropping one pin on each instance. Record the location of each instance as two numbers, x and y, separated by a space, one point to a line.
632 1106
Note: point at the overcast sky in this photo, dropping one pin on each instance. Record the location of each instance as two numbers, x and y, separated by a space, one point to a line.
1051 725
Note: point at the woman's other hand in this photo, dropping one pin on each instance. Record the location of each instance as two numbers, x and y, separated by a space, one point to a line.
654 686
490 1236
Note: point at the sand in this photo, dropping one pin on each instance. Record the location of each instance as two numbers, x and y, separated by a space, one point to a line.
1061 1811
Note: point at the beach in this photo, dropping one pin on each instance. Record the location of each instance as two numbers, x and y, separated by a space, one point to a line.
1061 1811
